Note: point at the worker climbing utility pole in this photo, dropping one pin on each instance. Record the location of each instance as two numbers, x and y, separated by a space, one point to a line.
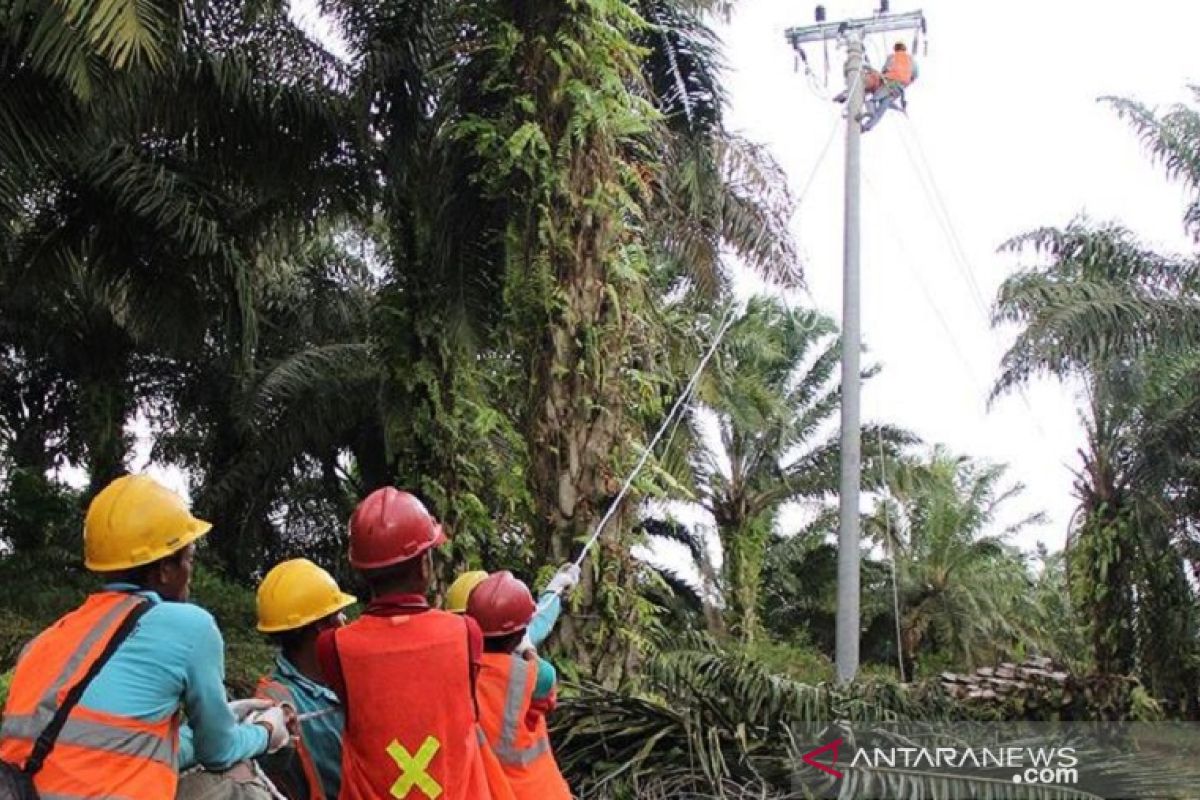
851 33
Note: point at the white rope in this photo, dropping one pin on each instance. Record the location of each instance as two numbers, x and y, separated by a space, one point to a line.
730 318
937 204
266 782
325 712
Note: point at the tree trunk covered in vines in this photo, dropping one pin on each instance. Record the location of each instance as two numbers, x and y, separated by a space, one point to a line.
745 549
1103 560
575 433
564 149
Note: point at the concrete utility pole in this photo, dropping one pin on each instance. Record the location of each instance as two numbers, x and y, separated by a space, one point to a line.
852 34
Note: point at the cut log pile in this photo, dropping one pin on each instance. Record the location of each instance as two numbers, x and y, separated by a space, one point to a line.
1035 677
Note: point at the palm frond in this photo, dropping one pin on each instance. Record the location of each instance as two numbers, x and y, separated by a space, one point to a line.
710 721
1103 297
671 530
1173 140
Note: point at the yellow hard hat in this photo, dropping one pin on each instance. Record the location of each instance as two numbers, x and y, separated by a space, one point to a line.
460 591
296 593
135 520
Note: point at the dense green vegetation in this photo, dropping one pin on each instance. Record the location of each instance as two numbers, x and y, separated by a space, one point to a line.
479 258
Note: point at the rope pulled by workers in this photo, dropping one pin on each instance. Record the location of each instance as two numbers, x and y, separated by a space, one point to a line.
675 414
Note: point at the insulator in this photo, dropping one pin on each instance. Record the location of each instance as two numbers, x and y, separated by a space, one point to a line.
820 13
884 6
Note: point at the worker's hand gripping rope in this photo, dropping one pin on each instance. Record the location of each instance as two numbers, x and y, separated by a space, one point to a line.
526 649
566 579
244 708
275 720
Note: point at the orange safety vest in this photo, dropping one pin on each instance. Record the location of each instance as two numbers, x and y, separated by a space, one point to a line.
312 786
519 738
899 68
410 720
493 770
96 754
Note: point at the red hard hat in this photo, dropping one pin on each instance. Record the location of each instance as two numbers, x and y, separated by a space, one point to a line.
502 605
390 527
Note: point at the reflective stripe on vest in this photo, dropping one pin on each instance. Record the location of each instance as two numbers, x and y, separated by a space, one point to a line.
519 738
102 630
497 778
514 714
95 736
96 753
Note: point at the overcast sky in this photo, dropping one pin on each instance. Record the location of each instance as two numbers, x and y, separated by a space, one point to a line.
1006 116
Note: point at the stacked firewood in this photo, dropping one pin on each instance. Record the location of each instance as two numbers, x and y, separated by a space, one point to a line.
1035 675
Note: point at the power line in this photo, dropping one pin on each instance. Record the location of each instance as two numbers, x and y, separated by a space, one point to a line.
910 265
937 205
941 212
812 176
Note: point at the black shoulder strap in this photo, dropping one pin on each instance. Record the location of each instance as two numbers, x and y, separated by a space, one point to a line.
46 739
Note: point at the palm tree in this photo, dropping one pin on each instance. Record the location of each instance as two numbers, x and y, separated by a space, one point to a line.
435 357
798 598
185 180
54 63
759 440
1104 309
716 190
962 587
278 449
584 141
1100 295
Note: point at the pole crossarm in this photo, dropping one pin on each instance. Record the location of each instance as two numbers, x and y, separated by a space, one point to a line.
835 30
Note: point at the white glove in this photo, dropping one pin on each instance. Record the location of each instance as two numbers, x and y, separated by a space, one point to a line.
525 648
274 719
243 708
566 579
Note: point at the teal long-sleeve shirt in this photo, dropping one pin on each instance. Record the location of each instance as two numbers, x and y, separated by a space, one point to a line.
176 657
549 610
